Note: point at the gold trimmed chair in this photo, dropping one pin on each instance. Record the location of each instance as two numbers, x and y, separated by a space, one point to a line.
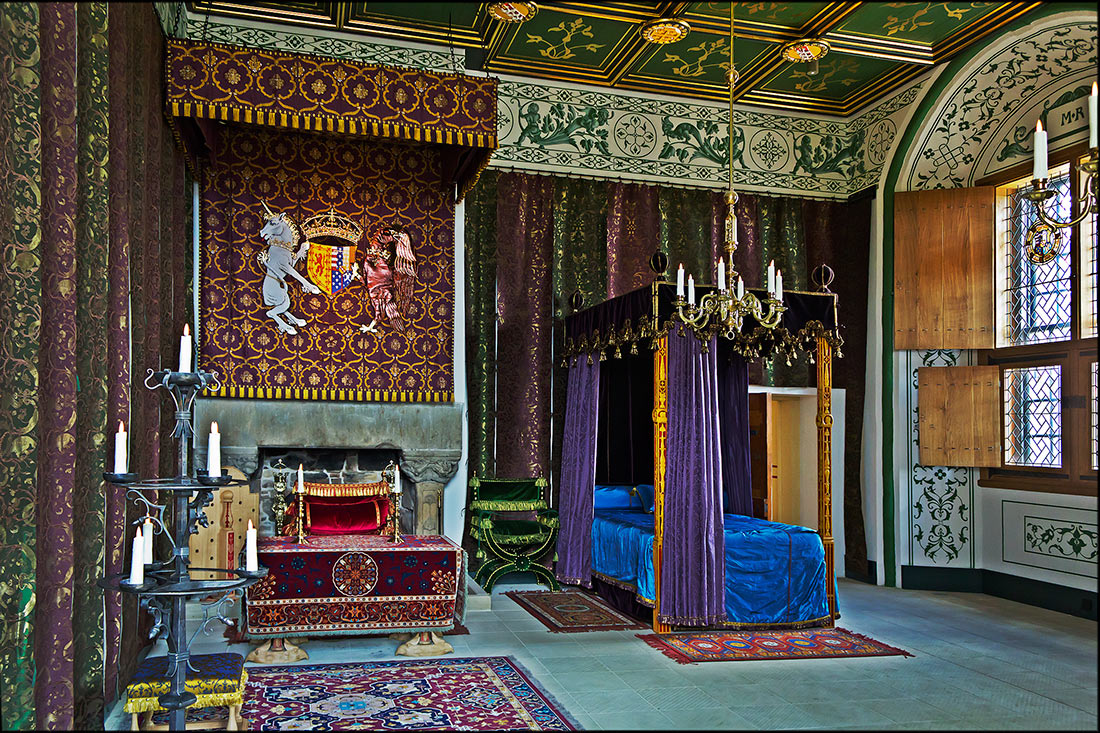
508 539
342 509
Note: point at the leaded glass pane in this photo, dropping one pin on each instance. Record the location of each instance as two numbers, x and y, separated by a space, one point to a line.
1095 423
1033 416
1089 282
1038 296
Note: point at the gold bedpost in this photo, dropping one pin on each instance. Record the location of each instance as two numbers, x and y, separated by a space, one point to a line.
660 457
825 466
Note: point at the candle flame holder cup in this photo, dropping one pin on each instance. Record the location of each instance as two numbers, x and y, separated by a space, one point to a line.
224 479
146 585
122 479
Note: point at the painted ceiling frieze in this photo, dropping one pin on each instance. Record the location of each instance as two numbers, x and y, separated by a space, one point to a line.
595 132
984 123
300 40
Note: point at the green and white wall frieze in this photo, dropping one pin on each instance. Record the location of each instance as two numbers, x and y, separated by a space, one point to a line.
577 130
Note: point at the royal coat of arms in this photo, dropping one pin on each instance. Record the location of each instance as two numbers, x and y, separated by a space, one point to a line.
330 246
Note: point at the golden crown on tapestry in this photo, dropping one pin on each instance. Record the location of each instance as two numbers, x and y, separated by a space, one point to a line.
332 224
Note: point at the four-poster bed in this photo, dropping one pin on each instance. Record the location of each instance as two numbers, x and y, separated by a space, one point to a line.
693 553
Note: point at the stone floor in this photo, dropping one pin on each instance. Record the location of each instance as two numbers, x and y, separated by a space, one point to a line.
981 663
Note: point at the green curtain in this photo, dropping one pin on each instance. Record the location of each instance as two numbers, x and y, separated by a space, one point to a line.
781 231
481 237
580 242
686 237
20 309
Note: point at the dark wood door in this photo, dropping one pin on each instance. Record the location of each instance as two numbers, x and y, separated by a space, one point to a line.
760 447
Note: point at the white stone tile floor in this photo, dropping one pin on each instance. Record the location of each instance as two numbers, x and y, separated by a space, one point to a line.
981 663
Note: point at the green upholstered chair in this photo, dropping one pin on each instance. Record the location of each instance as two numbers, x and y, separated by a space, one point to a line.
508 538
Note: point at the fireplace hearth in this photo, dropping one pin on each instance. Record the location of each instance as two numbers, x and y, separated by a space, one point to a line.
340 442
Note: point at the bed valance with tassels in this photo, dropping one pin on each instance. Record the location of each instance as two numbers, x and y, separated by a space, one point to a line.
638 318
221 82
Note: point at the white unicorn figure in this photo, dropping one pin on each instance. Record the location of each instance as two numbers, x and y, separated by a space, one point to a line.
281 234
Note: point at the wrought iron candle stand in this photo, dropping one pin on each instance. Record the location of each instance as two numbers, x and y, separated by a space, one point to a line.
168 584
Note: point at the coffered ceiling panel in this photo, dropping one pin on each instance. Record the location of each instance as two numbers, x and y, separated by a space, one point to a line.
875 47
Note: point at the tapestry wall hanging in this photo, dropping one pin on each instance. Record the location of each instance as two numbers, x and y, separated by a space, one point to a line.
327 267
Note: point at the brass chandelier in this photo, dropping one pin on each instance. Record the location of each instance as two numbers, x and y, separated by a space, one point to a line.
723 311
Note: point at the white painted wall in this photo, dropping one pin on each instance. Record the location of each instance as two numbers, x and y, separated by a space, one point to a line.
454 493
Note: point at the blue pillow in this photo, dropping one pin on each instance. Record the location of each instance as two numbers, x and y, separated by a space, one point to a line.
613 497
645 493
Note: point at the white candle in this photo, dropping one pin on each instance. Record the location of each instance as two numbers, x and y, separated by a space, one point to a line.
779 286
214 452
120 449
147 541
1093 124
397 480
691 290
185 349
721 274
740 288
680 281
251 558
137 558
771 276
301 479
1040 170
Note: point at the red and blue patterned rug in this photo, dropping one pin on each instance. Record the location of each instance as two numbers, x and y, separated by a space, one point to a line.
739 646
473 693
572 611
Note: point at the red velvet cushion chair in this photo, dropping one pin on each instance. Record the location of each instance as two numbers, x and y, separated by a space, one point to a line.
335 509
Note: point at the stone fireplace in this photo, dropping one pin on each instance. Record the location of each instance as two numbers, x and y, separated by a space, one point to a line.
340 442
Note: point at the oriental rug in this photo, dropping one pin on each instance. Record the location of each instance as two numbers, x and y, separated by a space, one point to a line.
572 611
720 646
473 693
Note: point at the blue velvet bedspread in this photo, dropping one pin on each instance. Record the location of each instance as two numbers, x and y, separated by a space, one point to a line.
775 573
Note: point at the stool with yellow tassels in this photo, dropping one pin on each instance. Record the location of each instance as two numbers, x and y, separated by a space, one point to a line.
215 679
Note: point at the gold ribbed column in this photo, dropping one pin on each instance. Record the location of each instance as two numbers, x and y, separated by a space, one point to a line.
825 465
660 460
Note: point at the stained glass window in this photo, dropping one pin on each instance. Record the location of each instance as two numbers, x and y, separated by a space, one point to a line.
1037 297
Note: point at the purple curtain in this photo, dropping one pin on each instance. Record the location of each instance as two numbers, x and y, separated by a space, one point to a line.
733 407
632 236
578 473
525 208
693 574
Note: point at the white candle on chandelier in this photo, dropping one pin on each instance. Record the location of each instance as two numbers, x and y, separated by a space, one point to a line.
691 290
1040 169
1093 124
251 558
721 274
740 288
680 281
771 276
137 560
779 285
214 452
185 349
120 449
147 540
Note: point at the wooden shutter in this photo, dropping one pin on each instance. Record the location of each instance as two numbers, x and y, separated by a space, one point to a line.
943 269
959 415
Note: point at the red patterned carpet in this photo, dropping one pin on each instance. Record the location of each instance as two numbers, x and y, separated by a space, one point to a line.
474 693
571 611
720 646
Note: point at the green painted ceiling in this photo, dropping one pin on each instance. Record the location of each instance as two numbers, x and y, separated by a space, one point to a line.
876 46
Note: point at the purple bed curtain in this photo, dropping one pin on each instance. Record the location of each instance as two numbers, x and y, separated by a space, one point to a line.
733 406
578 472
693 575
